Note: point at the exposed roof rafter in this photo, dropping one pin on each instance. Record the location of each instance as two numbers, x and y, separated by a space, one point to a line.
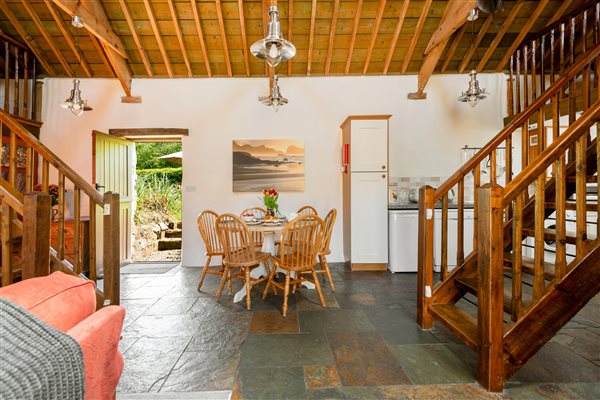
380 11
244 39
223 37
334 16
416 34
311 36
390 54
184 53
136 38
473 48
157 35
201 37
354 32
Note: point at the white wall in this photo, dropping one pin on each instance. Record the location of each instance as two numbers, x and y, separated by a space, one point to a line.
425 135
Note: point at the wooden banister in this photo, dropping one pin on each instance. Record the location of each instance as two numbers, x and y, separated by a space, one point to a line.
36 235
9 195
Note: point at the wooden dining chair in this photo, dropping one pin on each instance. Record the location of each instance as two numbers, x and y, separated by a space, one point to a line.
258 214
301 241
307 210
206 226
240 254
325 250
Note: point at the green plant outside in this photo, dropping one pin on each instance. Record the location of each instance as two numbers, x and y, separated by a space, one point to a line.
147 154
158 199
173 175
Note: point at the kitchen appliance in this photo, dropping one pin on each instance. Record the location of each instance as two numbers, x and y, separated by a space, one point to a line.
365 191
403 228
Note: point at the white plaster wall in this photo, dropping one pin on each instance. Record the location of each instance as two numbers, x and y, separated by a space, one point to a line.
425 135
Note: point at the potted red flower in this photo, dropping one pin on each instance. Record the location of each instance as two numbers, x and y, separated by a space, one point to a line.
269 199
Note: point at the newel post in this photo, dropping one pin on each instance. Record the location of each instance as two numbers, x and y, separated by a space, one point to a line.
490 299
36 234
112 278
425 257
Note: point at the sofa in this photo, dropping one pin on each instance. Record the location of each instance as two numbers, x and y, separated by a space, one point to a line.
68 303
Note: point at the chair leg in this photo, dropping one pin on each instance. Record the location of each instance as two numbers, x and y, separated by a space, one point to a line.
248 301
223 279
286 291
318 287
229 284
204 271
325 266
269 280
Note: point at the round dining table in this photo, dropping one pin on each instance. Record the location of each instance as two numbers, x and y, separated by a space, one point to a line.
269 231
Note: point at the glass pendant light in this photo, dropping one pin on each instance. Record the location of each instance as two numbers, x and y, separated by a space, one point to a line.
75 102
273 48
275 99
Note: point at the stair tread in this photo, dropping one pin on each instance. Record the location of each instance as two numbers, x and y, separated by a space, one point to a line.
589 179
458 321
571 205
470 285
550 234
527 265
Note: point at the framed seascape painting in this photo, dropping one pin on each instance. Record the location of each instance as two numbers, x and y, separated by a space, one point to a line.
259 164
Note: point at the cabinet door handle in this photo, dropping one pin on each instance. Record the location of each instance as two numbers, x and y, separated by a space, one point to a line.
383 167
383 176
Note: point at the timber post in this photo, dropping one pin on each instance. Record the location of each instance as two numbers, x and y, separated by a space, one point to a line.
37 210
425 257
111 257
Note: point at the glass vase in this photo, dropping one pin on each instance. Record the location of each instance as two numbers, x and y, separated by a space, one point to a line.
270 212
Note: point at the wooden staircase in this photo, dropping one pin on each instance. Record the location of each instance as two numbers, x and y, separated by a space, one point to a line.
536 257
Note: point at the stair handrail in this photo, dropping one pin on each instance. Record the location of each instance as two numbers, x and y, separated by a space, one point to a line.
52 158
11 196
518 122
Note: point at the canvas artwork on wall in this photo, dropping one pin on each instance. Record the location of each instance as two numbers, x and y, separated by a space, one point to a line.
259 164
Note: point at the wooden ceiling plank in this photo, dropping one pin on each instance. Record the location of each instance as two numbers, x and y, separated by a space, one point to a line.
136 38
455 42
244 39
69 38
290 31
473 48
223 36
454 17
97 24
201 37
390 54
311 36
334 16
530 21
416 35
157 35
505 26
100 50
25 37
177 27
380 11
40 26
354 32
559 13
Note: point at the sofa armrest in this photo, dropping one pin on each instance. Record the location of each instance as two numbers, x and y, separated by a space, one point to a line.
99 335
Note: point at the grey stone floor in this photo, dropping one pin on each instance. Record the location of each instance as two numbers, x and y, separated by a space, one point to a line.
364 344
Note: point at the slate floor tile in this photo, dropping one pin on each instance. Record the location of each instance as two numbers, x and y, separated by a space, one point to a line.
170 306
399 326
308 300
270 383
219 331
528 391
583 342
587 391
437 392
321 376
345 393
334 321
134 309
163 326
433 364
363 359
126 343
271 322
286 350
203 370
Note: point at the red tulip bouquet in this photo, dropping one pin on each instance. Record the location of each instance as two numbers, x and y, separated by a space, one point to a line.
269 199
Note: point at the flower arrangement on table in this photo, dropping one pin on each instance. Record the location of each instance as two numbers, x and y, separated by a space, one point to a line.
269 199
52 191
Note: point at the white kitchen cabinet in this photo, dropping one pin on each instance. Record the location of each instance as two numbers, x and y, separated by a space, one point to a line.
369 145
452 238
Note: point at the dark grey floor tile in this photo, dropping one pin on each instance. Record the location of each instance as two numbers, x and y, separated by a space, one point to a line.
134 309
126 343
203 370
219 331
587 391
436 392
583 342
271 383
171 306
148 292
286 350
164 326
345 393
534 391
334 321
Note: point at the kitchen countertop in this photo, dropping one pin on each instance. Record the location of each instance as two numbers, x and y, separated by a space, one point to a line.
415 206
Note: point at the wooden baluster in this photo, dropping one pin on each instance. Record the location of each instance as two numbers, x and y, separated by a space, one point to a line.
584 31
16 94
425 257
460 227
37 208
92 243
534 93
524 145
111 248
538 264
77 230
562 49
444 261
580 193
45 174
560 197
508 160
518 81
572 41
597 169
476 185
7 77
7 244
542 64
517 258
33 88
509 90
490 293
29 169
493 162
552 57
597 24
541 131
25 111
12 160
61 217
525 78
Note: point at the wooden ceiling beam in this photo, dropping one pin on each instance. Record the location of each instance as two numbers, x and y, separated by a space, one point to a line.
100 50
244 39
290 31
455 42
507 23
426 70
136 38
158 37
40 26
416 35
223 36
454 17
311 36
68 37
390 54
482 31
530 21
177 28
334 16
380 11
201 37
95 23
353 39
26 38
559 13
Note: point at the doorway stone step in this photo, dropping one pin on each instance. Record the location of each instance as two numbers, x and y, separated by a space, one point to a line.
169 244
172 233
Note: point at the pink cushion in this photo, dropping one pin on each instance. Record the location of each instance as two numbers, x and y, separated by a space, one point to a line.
98 335
59 299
